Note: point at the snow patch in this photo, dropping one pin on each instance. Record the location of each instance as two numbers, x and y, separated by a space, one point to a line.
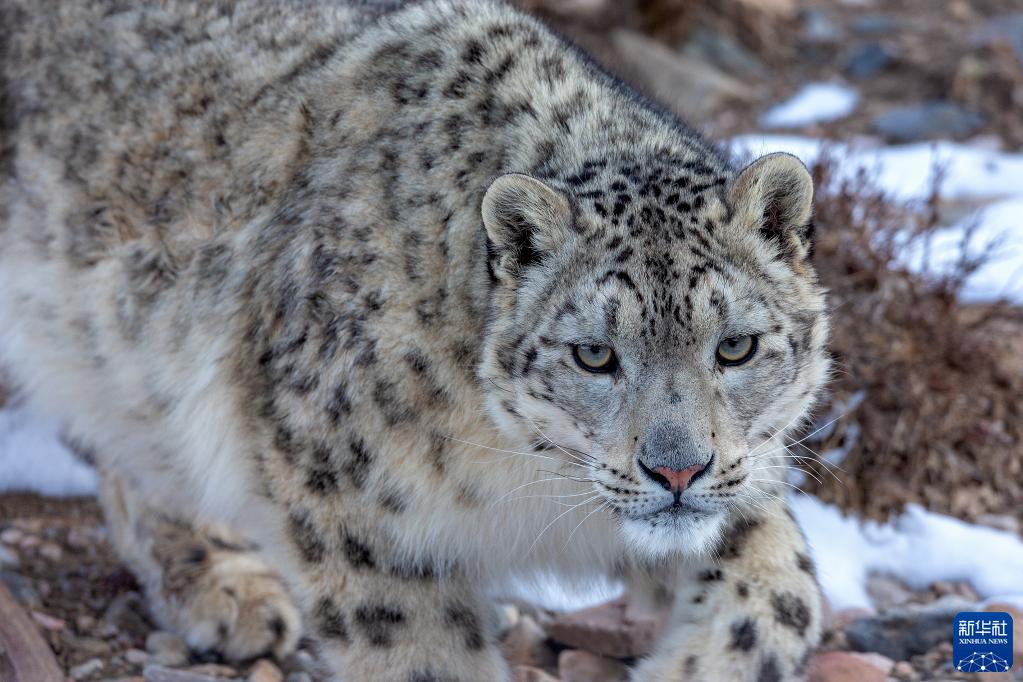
919 547
968 173
33 458
814 103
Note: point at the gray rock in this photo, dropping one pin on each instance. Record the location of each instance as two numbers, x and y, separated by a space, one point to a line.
818 27
724 52
906 632
874 24
158 673
21 587
167 648
869 60
87 669
928 120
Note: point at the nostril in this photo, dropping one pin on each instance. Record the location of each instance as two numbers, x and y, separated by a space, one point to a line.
677 480
658 478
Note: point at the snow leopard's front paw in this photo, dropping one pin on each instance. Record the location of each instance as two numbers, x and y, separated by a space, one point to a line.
230 602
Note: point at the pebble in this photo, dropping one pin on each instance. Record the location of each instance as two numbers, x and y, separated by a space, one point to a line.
903 671
136 656
869 60
167 648
818 27
51 551
48 621
8 557
874 23
21 587
928 120
159 673
87 669
11 536
265 671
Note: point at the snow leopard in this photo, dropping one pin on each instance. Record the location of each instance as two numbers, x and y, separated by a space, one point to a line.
368 310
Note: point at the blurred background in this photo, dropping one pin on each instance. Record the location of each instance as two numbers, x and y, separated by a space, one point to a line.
909 484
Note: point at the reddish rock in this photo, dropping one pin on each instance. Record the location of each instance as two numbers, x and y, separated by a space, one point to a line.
843 666
265 671
526 644
525 673
1017 628
607 630
582 666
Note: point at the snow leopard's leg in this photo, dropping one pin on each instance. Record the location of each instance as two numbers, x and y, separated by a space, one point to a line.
383 615
752 614
202 582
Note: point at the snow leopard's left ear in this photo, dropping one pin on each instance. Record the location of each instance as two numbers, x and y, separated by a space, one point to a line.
524 219
774 195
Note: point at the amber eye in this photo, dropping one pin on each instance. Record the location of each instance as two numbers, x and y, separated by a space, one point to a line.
737 350
595 358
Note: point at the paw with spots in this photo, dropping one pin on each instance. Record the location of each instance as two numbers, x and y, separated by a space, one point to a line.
750 615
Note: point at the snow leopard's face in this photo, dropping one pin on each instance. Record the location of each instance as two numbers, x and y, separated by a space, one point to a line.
664 342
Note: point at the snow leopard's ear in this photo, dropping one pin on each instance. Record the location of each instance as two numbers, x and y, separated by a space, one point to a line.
524 219
774 195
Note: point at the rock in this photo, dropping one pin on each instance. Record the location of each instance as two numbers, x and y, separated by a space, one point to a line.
8 557
869 60
136 656
818 27
524 673
214 670
928 120
874 23
842 666
724 52
1017 626
21 587
88 645
159 673
582 666
265 671
11 536
906 632
903 671
690 86
887 591
51 551
87 669
167 648
526 644
48 621
298 677
606 630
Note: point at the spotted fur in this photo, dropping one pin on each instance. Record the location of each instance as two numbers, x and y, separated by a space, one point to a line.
315 271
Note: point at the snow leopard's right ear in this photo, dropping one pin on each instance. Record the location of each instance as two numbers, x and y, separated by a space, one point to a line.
524 219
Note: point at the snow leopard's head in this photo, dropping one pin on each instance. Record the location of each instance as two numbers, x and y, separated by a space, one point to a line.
658 328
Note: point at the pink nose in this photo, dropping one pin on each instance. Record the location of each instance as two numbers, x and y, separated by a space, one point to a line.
679 480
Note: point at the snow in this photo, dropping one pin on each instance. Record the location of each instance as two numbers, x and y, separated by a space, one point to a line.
815 102
33 458
919 547
970 173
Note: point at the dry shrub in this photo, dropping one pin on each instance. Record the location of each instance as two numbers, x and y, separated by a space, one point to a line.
936 417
